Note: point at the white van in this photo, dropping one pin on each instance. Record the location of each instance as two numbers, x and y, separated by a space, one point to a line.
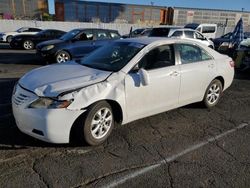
208 30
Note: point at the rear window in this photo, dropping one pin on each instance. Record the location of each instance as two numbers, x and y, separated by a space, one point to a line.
159 32
177 34
189 34
208 29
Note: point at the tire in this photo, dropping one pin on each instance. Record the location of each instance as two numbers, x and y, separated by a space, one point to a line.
28 45
62 57
213 94
98 123
9 38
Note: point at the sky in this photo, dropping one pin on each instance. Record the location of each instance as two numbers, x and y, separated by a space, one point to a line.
211 4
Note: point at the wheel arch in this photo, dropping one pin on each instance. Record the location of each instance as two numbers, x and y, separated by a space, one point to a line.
116 109
221 79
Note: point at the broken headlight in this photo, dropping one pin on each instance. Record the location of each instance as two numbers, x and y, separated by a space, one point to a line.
49 103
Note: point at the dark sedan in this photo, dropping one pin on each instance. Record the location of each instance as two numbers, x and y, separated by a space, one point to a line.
227 38
29 42
75 44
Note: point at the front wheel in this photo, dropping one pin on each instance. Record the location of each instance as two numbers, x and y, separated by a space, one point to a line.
213 93
62 57
28 45
98 123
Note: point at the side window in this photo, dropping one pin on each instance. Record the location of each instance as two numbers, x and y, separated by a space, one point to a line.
159 57
47 34
177 34
25 30
205 56
208 29
85 35
191 54
102 35
114 35
189 34
34 30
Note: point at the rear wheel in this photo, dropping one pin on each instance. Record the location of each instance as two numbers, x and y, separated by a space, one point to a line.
98 123
9 38
213 93
62 57
28 45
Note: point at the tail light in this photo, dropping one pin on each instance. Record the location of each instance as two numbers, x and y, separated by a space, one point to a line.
232 64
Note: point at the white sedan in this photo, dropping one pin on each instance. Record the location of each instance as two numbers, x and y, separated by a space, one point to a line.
193 35
119 83
7 36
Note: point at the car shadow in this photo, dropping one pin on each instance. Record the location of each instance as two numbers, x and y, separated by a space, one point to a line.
10 136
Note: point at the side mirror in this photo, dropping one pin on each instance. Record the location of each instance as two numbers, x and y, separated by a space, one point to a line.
144 77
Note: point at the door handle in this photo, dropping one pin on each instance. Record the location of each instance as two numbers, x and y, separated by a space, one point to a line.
174 73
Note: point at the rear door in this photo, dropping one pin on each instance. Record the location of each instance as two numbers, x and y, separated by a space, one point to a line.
197 70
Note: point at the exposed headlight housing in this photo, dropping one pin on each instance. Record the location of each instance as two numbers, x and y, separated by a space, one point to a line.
49 103
46 48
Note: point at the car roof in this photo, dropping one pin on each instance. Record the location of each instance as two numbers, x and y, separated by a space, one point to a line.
185 29
82 29
149 40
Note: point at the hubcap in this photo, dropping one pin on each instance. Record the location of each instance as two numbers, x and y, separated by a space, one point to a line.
62 57
213 94
27 45
101 123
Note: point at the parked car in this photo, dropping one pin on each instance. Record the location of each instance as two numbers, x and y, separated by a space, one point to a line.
120 82
7 36
138 33
162 31
226 39
75 44
208 30
29 42
192 35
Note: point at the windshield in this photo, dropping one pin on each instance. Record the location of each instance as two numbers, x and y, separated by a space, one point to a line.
112 57
70 35
21 29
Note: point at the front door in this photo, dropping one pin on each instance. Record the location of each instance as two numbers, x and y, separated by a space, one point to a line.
162 92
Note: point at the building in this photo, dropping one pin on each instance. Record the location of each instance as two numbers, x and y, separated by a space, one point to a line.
23 9
230 18
85 11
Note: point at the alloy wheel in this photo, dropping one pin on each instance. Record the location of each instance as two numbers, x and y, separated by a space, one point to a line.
213 94
62 57
28 45
101 123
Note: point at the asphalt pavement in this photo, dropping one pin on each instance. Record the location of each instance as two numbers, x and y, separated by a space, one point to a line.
186 147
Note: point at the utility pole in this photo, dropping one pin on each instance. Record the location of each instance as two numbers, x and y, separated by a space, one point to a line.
152 4
13 7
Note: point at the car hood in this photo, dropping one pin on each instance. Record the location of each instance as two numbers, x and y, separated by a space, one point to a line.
52 80
50 42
